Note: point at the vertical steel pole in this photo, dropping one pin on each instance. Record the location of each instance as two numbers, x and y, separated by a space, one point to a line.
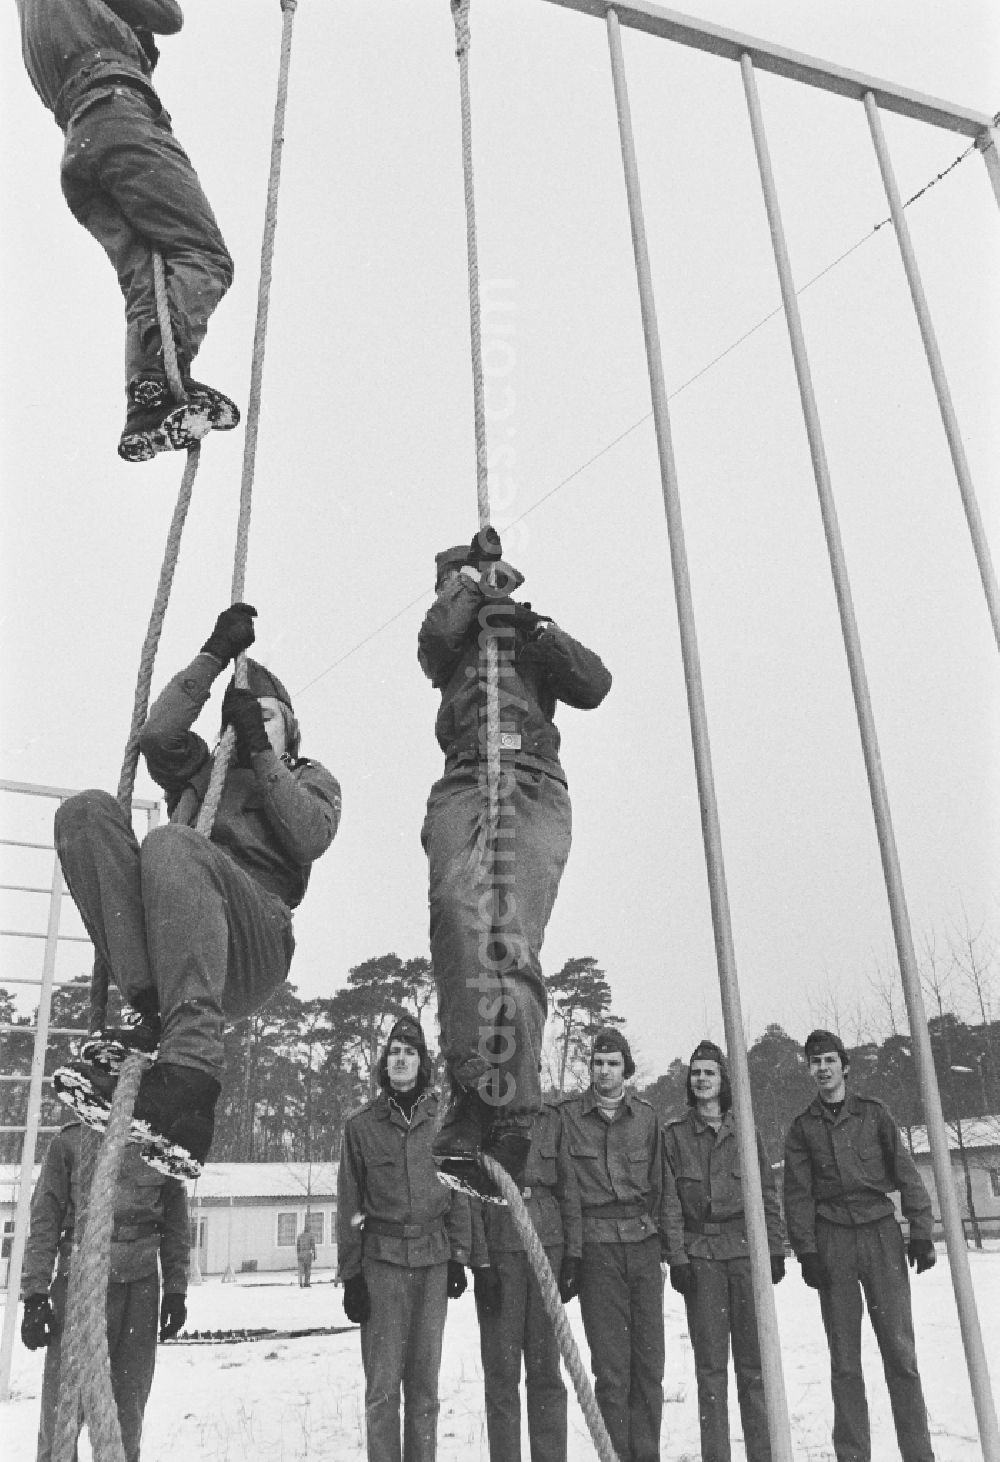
767 1321
945 405
30 1130
988 143
957 1253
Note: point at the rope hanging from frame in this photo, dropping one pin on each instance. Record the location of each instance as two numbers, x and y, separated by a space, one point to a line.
86 1378
498 1175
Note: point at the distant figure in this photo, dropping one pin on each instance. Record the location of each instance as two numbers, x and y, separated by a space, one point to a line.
130 183
709 1256
150 1228
305 1253
488 915
403 1244
844 1155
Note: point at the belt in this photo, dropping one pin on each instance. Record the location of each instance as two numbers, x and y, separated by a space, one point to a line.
714 1227
390 1229
97 70
127 1233
637 1208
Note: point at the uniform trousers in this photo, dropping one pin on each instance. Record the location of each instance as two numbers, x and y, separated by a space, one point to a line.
127 179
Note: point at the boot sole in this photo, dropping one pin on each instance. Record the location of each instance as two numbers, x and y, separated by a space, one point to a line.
107 1055
77 1092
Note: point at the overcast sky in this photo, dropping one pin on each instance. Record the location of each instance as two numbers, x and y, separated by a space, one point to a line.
366 467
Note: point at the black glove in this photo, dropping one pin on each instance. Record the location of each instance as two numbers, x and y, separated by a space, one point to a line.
241 710
814 1271
233 633
527 621
357 1302
570 1274
682 1279
920 1254
777 1268
486 1283
39 1323
173 1315
484 548
457 1282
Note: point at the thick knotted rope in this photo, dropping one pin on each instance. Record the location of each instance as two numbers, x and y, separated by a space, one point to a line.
460 15
87 1374
542 1270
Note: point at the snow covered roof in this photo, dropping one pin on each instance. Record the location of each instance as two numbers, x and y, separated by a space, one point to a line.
977 1132
239 1180
266 1180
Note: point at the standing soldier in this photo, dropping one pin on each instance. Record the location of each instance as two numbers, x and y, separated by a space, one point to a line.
403 1243
305 1253
512 1316
150 1225
844 1155
709 1257
615 1145
489 906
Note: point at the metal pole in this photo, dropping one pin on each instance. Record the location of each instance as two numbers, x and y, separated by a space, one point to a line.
957 1253
767 1322
947 409
30 1131
988 143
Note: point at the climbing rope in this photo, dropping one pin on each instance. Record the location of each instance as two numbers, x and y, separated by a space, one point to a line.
223 754
542 1270
86 1375
460 15
499 1176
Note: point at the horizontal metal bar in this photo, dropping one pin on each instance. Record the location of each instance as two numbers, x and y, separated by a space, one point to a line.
22 1078
810 70
58 984
28 934
29 888
19 843
33 789
21 1129
54 1030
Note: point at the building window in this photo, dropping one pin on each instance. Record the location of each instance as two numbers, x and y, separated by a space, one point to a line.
288 1227
197 1233
316 1222
7 1245
995 1182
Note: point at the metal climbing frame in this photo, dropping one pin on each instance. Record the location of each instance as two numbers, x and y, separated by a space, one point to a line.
876 96
46 983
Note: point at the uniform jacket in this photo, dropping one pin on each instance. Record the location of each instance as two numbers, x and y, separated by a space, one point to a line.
275 818
305 1245
63 39
551 1196
842 1169
151 1219
390 1205
619 1168
535 673
703 1191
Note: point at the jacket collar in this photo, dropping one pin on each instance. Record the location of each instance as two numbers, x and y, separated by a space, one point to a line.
820 1108
726 1126
591 1104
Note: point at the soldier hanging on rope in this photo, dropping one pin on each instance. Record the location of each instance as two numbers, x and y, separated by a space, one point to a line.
195 930
129 182
489 905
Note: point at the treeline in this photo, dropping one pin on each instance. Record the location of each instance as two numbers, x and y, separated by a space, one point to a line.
296 1069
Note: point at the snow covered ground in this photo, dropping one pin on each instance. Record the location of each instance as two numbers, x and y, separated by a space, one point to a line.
286 1399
